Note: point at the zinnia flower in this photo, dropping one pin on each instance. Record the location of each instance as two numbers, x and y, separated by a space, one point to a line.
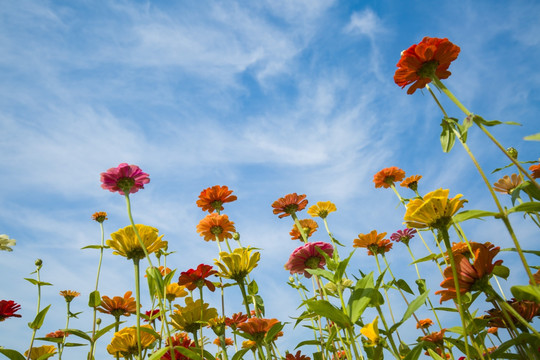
69 295
58 334
213 198
196 278
507 184
188 318
419 63
124 341
228 342
309 226
42 352
124 178
235 320
307 257
535 171
424 324
289 204
470 276
238 264
403 235
371 331
435 337
218 325
99 216
435 210
8 308
373 242
216 226
411 182
298 356
6 243
118 306
173 291
526 308
151 315
179 340
388 176
126 243
322 209
381 247
257 327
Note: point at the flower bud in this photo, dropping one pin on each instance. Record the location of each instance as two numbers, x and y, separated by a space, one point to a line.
512 152
236 236
98 321
39 262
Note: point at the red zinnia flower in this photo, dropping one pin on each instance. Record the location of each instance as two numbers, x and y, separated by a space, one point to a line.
215 225
298 356
124 178
58 334
403 235
213 198
8 308
235 320
193 279
535 171
470 276
150 316
179 339
307 257
419 63
388 176
289 204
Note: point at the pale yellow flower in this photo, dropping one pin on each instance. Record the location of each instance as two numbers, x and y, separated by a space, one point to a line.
188 318
125 341
38 352
174 291
126 243
322 209
434 211
6 243
238 264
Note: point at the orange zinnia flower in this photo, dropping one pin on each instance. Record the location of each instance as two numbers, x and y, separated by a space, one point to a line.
228 342
235 320
216 226
470 276
424 324
258 327
309 226
118 306
507 184
421 62
100 216
213 198
535 171
374 242
411 182
289 204
435 337
58 334
527 309
388 176
297 356
381 247
69 294
196 278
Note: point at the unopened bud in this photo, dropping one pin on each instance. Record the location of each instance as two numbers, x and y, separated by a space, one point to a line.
39 262
98 321
512 152
236 236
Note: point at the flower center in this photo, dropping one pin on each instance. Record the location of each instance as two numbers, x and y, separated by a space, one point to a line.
389 180
216 230
291 208
125 184
313 262
216 204
428 69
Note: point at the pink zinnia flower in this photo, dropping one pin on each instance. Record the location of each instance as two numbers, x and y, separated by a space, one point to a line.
124 178
403 235
307 257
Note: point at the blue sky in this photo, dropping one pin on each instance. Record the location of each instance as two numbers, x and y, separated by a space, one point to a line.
266 97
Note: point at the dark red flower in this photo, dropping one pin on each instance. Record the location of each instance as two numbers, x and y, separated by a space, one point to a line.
179 339
298 356
419 63
8 308
193 279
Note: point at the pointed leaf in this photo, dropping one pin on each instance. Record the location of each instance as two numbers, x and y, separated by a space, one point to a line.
79 333
94 300
526 207
526 292
12 354
402 284
448 138
103 331
158 354
534 137
324 308
239 354
501 271
472 214
38 320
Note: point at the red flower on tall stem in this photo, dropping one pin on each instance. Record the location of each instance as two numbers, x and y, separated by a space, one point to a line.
124 179
196 278
8 308
213 198
388 176
470 276
419 63
289 204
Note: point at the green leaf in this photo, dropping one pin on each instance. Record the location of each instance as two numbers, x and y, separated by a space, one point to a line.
103 331
430 257
253 289
501 271
480 121
12 354
537 253
326 309
421 283
526 292
38 320
79 333
523 338
151 332
40 283
415 353
274 330
448 138
472 214
434 355
534 137
321 272
527 207
402 284
240 354
413 306
529 188
342 266
155 282
188 353
94 300
361 297
307 342
70 344
318 355
96 247
158 354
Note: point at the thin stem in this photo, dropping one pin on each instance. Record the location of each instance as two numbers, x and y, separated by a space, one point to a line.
93 344
138 302
38 267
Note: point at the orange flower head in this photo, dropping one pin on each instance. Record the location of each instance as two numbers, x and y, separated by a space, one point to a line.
536 277
309 226
58 334
118 306
99 216
493 330
382 246
374 242
388 176
435 337
235 320
297 356
213 198
215 226
535 171
411 182
257 327
69 295
228 342
527 309
470 276
289 204
468 249
420 63
507 184
424 324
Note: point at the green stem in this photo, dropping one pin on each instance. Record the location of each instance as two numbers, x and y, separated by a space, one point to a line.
92 343
202 317
138 302
386 295
38 267
244 296
299 227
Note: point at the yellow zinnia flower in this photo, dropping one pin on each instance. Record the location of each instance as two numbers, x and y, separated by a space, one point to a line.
38 352
371 331
434 211
322 209
238 264
126 243
174 291
124 342
188 318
